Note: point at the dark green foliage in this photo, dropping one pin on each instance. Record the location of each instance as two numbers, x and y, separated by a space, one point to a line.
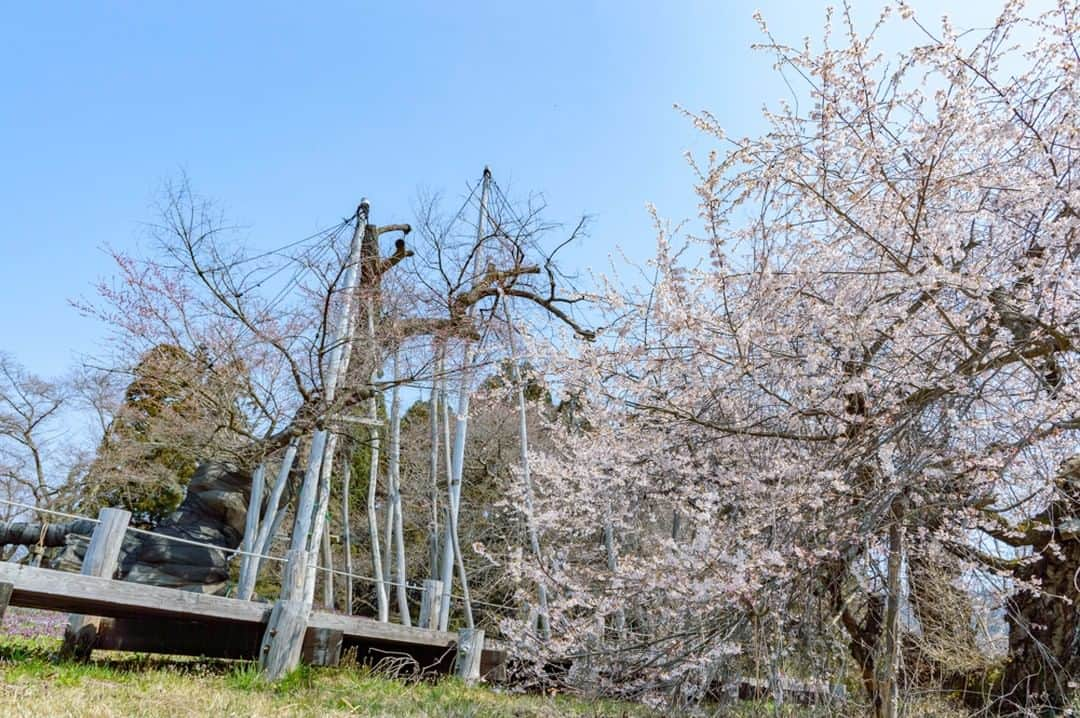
178 409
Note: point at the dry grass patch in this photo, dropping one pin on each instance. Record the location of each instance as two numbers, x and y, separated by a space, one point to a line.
34 683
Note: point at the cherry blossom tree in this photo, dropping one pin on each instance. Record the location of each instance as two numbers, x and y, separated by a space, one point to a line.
850 389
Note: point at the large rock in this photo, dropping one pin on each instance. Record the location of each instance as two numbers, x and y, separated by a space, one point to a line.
213 512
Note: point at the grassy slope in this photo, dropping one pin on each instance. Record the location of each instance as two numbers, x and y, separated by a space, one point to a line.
34 683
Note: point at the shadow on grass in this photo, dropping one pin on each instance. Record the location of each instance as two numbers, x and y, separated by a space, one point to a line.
45 652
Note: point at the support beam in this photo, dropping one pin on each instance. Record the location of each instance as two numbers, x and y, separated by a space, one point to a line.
346 527
272 519
289 619
5 597
429 603
251 531
288 622
470 650
102 556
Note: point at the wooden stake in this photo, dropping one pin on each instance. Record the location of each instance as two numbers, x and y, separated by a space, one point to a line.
328 562
6 590
429 603
102 557
270 523
395 512
288 621
251 528
470 650
284 638
346 529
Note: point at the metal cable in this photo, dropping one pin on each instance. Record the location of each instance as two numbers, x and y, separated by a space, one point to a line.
178 539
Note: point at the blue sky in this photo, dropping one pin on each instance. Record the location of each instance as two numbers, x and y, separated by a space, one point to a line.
288 113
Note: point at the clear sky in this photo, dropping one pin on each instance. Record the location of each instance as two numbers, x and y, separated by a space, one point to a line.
288 113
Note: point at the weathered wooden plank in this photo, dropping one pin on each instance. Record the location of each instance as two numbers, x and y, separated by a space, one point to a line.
493 662
101 559
103 553
322 647
166 620
377 630
242 640
71 592
220 639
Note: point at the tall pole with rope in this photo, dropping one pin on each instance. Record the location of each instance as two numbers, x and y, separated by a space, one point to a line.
288 620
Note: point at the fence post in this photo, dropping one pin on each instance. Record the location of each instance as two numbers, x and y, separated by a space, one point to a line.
429 603
101 559
470 649
284 638
6 590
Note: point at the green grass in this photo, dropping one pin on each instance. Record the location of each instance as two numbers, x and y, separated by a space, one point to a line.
34 682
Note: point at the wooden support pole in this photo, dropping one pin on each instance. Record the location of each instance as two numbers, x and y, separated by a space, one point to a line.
396 539
346 528
429 603
470 650
284 638
381 594
5 597
433 470
289 618
328 562
456 457
102 557
251 531
274 511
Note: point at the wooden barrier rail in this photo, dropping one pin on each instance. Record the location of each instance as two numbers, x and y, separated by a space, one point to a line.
161 620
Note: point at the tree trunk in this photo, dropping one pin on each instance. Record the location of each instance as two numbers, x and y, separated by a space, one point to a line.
1044 627
888 687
